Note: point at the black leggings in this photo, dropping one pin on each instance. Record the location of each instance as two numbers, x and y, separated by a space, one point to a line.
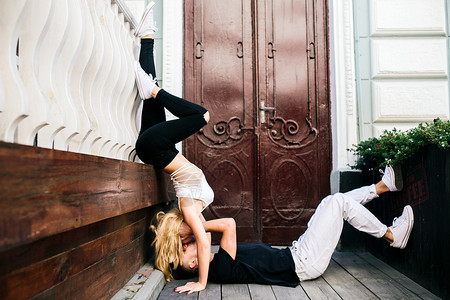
157 138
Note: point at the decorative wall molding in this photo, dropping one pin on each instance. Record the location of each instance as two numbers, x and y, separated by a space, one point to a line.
404 101
424 18
409 58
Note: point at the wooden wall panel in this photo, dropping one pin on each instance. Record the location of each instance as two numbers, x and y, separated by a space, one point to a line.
102 280
27 281
73 226
44 192
29 254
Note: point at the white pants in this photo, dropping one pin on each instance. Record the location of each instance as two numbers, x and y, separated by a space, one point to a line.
313 250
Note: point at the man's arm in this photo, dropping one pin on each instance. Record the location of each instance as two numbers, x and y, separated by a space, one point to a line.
227 227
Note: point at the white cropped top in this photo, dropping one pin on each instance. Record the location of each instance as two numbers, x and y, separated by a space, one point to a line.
190 182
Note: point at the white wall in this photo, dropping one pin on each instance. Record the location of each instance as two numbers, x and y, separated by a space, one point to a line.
399 75
402 63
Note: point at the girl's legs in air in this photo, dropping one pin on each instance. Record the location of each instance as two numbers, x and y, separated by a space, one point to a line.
156 132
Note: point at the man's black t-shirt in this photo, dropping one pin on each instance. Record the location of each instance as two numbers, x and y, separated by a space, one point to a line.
254 263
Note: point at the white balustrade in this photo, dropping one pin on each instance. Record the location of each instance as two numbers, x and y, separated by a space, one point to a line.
71 85
14 107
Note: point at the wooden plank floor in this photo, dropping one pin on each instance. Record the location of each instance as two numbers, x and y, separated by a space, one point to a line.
349 276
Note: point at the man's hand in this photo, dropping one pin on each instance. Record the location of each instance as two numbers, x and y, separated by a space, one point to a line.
190 287
185 231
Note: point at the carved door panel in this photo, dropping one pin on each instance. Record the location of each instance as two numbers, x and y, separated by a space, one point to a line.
221 79
266 150
293 168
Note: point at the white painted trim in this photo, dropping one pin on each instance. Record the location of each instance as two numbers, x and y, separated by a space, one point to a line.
173 50
173 47
342 82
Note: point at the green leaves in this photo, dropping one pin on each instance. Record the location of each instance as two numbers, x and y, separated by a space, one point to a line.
393 147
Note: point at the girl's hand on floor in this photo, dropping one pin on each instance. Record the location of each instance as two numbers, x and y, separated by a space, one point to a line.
190 288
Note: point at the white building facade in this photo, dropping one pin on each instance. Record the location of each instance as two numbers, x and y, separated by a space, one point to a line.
389 64
389 69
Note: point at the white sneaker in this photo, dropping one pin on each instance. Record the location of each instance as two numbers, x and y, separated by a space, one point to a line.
401 228
145 82
147 25
392 178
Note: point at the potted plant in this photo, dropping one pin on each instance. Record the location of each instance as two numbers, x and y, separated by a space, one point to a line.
393 147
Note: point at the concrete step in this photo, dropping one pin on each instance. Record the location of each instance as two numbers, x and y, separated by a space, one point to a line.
146 284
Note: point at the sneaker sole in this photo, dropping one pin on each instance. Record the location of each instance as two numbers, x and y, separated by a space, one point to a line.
146 12
138 82
398 177
410 213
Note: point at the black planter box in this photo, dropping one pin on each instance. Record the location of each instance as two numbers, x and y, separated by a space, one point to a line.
426 258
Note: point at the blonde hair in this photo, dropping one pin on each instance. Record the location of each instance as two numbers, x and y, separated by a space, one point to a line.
168 245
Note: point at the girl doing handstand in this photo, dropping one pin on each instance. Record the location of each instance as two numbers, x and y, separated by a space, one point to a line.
156 146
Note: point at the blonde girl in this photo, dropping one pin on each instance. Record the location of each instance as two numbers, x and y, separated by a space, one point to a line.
168 245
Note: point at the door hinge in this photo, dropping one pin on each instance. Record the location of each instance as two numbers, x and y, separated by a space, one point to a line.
199 50
311 50
271 50
240 50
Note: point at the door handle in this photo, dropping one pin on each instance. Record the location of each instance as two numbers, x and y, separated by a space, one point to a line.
263 110
267 108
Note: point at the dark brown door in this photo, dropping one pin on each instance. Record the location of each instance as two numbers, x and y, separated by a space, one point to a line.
260 68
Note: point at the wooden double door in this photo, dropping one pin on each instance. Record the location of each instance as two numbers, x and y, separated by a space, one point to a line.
260 68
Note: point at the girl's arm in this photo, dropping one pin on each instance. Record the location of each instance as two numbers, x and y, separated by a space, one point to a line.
208 234
185 231
191 210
